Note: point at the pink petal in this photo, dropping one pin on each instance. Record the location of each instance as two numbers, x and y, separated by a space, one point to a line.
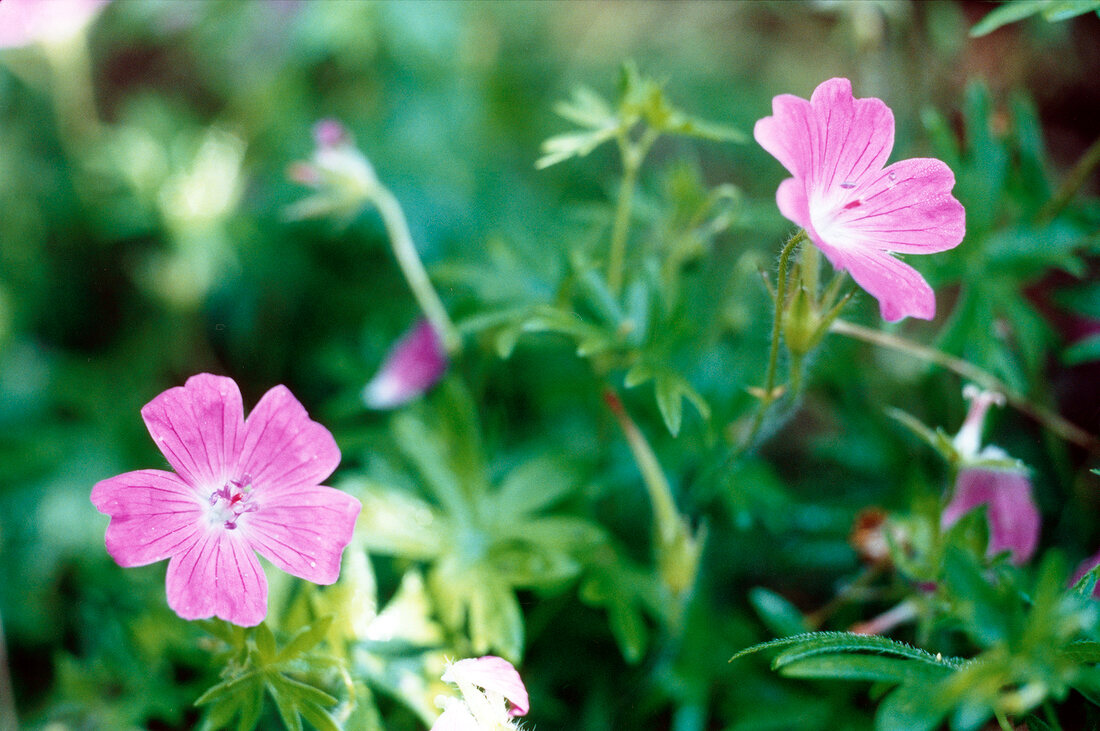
794 205
832 139
457 717
899 288
1014 519
908 208
153 514
415 363
218 576
303 530
23 22
494 674
282 448
197 427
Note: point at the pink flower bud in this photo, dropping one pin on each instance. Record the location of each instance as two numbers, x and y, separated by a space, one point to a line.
1011 510
415 363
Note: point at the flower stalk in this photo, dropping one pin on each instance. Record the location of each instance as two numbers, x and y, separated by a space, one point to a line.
397 227
633 153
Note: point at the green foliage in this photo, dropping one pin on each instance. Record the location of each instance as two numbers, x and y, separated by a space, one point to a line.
255 666
1014 10
151 231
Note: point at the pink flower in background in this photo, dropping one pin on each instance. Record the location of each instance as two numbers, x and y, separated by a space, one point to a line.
415 363
492 695
855 210
988 476
1011 510
239 487
23 22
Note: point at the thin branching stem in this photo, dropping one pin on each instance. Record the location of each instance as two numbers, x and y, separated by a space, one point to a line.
1048 418
1073 182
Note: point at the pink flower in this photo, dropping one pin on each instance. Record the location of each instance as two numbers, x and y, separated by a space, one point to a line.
240 486
854 209
1013 516
415 363
492 695
23 22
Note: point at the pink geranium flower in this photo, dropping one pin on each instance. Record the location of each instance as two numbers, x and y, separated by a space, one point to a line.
493 694
415 363
854 209
1013 516
239 487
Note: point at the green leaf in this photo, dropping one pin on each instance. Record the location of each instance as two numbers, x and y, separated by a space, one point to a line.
229 688
848 642
778 614
287 710
670 389
265 643
1082 651
871 668
319 717
535 484
1086 350
911 707
297 692
306 639
251 706
1009 12
937 439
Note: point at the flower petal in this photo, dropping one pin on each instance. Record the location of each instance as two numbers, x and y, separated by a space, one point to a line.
832 141
457 717
153 515
218 575
281 447
492 673
1014 519
899 288
416 362
303 530
197 426
908 208
793 204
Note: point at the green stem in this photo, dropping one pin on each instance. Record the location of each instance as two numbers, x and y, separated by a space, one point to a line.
409 260
1002 721
1053 421
1073 182
1052 717
768 396
633 153
660 493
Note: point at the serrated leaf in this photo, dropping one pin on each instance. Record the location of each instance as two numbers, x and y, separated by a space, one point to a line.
842 642
572 144
587 108
1066 9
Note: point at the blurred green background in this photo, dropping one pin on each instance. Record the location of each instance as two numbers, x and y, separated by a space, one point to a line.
142 240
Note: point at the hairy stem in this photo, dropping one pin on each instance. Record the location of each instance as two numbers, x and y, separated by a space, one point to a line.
1048 418
768 396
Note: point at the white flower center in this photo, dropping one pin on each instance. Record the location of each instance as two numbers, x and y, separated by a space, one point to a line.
228 504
